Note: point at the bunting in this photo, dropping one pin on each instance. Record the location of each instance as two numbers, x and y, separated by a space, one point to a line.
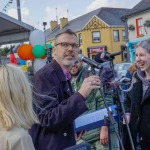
7 5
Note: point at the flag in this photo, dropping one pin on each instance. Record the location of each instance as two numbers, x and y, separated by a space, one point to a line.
13 59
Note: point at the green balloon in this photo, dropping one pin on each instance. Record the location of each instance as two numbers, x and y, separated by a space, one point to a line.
49 45
38 51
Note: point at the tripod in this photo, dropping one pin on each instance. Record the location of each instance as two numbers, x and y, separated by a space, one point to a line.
110 118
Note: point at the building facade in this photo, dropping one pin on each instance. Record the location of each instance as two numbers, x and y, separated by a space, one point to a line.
99 30
138 21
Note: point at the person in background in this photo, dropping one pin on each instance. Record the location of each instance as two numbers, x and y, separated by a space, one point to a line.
52 90
98 138
137 105
131 70
16 113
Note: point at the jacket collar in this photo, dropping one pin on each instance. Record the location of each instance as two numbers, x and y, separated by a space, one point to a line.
61 76
58 70
137 90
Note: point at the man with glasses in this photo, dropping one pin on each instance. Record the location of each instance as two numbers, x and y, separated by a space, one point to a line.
56 107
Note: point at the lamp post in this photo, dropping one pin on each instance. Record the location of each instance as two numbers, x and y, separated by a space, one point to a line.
48 50
18 10
44 24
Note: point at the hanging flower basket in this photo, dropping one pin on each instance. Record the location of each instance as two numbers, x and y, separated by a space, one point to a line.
147 23
131 27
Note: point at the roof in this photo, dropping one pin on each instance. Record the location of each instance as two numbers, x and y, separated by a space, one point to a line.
110 16
12 30
142 6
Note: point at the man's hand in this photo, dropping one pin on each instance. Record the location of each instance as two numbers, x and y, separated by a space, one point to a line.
90 83
104 138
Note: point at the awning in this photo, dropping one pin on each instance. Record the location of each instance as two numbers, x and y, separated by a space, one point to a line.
12 30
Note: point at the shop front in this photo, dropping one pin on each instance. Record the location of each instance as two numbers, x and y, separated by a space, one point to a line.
92 51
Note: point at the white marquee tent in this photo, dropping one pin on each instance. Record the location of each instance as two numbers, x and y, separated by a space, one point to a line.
13 31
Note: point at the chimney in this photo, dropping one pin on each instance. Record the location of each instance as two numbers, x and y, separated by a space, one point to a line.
53 25
63 22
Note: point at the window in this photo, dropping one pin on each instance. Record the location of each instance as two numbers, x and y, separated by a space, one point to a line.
125 56
123 35
140 27
80 38
116 35
96 37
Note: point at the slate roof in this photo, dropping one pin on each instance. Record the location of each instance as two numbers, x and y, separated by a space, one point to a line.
142 6
111 16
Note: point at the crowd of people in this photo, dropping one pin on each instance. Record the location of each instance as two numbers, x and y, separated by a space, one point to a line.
40 116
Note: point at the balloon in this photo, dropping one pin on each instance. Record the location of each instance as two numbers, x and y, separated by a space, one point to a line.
24 68
43 57
38 51
38 64
49 45
25 52
22 62
37 37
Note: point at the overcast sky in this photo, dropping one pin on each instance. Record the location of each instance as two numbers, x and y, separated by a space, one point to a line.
35 12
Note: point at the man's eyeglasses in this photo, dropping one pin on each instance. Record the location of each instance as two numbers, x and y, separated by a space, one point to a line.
66 45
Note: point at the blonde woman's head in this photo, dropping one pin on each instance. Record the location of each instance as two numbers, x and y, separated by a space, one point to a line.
15 98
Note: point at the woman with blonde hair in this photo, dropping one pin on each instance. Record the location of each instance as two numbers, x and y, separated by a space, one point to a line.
16 112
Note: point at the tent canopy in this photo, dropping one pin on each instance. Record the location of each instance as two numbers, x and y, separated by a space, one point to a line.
12 30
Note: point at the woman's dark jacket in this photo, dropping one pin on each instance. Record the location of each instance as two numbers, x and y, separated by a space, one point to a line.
139 107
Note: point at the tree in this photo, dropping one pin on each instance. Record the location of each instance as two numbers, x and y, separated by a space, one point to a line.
4 51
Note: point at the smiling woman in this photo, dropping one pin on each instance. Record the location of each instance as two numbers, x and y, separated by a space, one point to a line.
142 57
138 100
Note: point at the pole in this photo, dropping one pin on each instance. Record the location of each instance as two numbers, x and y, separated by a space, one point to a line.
18 10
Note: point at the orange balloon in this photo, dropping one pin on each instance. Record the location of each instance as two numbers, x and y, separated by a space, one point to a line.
25 52
43 57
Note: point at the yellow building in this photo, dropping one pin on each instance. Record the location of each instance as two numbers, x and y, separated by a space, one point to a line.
99 30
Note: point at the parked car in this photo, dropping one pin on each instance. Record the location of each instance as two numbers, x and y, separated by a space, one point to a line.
121 69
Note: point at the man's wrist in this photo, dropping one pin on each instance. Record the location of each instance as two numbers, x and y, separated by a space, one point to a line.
82 96
104 127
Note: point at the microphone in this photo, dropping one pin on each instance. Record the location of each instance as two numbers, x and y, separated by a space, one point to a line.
89 61
105 56
112 55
